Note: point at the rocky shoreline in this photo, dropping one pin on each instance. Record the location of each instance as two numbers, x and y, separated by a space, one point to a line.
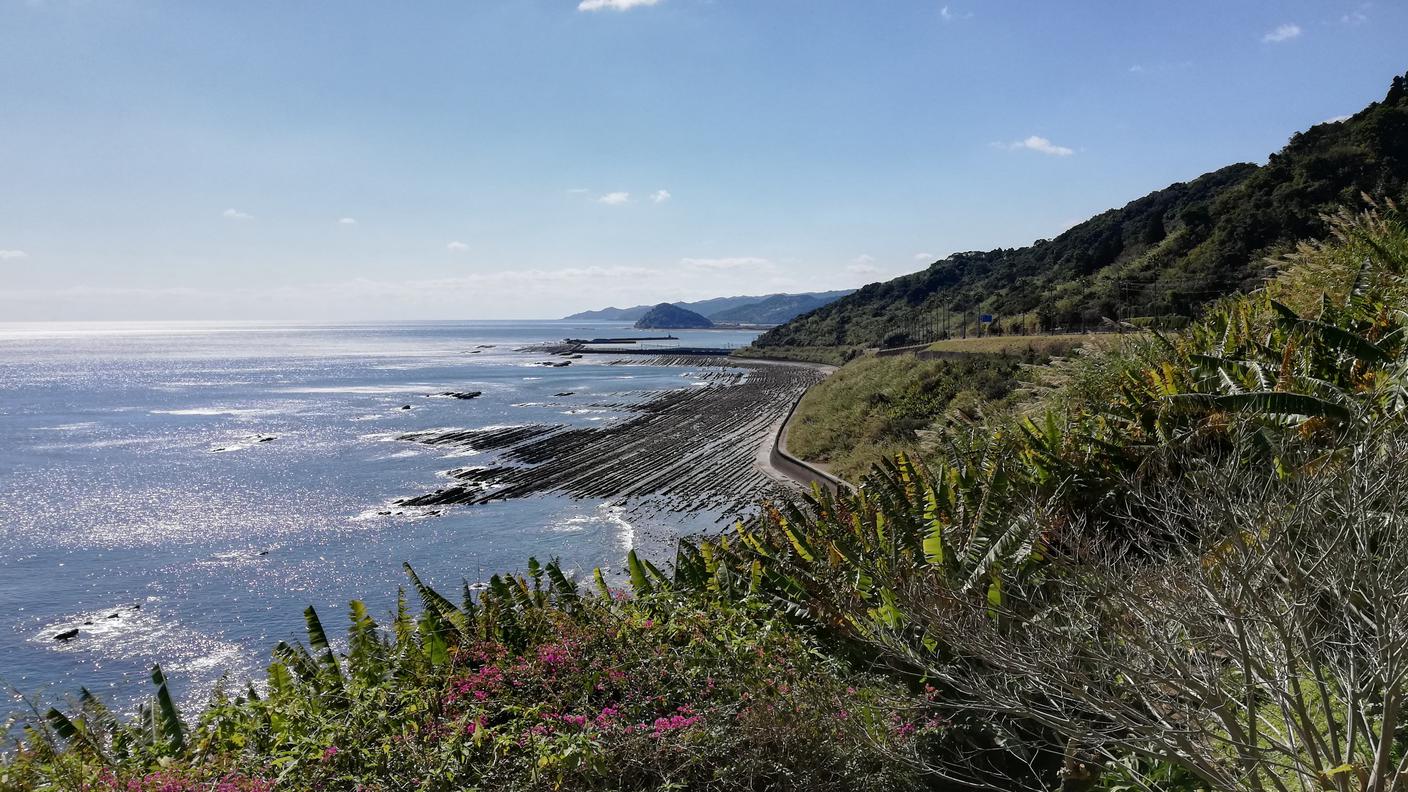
681 450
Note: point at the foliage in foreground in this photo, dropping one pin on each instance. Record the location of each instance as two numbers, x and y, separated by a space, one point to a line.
1188 572
532 686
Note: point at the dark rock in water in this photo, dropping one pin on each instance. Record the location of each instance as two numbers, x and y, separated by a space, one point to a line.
114 615
405 406
460 394
67 635
266 439
263 552
87 621
563 393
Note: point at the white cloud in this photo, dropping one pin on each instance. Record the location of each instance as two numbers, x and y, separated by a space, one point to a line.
924 257
347 221
1357 17
948 14
1282 33
727 263
660 196
864 264
8 255
1136 69
235 214
615 198
614 5
1041 144
1337 119
457 247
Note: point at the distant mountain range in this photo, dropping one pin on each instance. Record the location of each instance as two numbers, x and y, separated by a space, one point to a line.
761 309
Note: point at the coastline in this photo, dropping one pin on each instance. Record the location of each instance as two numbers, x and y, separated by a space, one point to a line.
682 450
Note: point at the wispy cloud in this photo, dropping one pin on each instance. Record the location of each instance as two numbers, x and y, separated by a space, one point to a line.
1041 144
660 196
457 247
235 214
1358 16
615 198
11 255
614 5
864 264
1282 33
947 14
924 257
347 221
1136 69
727 263
1337 119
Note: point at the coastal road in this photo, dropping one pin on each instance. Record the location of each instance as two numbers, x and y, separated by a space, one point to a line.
780 465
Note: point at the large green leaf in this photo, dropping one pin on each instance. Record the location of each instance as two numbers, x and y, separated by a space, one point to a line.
1267 403
171 726
640 582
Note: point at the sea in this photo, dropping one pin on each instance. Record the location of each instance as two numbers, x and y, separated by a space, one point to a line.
179 493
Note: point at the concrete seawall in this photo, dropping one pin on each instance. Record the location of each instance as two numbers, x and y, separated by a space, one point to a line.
774 457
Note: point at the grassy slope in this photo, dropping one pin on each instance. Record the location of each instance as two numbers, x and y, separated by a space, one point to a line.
1030 346
872 407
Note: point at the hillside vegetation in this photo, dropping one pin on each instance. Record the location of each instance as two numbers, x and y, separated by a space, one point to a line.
1167 253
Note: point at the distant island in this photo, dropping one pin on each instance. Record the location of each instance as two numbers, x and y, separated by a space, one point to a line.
672 317
761 309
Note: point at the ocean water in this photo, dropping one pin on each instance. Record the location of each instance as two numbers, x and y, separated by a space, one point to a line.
141 504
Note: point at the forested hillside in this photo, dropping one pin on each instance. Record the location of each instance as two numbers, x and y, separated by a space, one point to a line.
1162 255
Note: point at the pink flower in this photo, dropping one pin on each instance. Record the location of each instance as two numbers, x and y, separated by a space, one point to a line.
663 726
329 752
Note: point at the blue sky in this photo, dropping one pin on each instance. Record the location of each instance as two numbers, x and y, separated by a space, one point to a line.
529 158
